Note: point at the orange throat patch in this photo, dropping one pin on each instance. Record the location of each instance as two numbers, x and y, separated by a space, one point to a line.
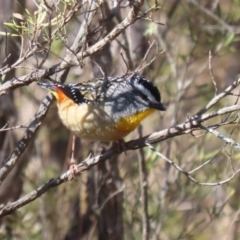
60 96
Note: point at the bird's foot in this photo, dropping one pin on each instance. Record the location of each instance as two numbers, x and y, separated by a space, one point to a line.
73 169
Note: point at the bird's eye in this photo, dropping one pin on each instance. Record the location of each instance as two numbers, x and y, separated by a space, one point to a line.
144 97
139 80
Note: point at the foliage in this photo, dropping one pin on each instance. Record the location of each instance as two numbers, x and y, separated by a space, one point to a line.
187 187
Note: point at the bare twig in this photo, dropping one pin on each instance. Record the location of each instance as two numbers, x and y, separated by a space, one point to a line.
39 74
210 70
144 58
217 98
30 132
215 17
220 136
11 161
177 130
188 173
144 191
5 128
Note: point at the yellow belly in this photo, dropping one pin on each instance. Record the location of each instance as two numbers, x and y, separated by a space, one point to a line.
93 123
129 124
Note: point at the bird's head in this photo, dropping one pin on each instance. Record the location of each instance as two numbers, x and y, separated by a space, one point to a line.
62 92
148 92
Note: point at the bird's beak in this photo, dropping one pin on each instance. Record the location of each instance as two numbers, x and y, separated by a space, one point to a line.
158 106
50 87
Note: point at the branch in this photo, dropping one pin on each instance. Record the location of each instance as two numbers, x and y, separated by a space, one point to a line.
39 74
144 191
129 20
217 98
188 174
35 75
177 130
30 132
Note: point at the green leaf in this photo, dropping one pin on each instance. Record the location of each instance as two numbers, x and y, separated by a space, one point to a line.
229 38
27 12
11 26
9 34
41 17
3 78
18 16
151 30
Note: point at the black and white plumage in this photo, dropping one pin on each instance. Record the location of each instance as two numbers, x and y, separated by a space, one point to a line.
106 109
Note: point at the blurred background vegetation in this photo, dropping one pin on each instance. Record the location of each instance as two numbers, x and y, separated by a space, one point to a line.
106 201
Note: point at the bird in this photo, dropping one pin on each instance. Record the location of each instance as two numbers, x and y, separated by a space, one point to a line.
105 109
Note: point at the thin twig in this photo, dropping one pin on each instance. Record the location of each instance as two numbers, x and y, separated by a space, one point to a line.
217 98
187 174
135 144
144 191
4 128
210 70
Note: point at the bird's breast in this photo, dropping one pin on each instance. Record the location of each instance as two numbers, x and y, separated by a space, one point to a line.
96 122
